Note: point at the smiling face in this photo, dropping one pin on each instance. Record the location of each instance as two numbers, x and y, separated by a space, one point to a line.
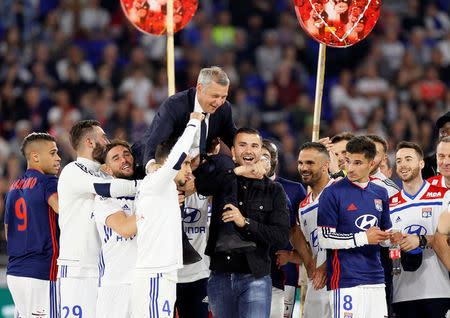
312 166
443 158
211 97
408 163
246 149
120 161
380 157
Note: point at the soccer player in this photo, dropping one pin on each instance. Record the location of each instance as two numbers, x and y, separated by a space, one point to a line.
376 176
339 143
80 245
159 244
31 229
443 164
424 292
285 277
313 163
353 215
116 224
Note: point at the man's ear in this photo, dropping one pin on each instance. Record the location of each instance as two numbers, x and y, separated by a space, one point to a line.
34 156
199 88
233 154
107 169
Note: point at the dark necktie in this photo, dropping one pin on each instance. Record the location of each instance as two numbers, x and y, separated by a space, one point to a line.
203 137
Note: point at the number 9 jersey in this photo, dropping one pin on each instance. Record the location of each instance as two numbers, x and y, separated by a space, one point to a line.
33 232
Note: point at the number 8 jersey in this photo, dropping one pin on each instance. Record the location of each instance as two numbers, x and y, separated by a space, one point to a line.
33 233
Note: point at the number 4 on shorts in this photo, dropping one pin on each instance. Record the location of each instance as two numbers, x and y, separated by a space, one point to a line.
166 308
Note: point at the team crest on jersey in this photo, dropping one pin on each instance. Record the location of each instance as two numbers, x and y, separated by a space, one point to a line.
378 205
426 213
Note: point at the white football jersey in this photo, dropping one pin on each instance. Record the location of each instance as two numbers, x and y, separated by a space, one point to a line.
118 254
307 215
380 179
196 218
419 214
80 244
158 214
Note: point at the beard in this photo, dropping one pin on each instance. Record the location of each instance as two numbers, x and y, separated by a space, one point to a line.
97 153
414 173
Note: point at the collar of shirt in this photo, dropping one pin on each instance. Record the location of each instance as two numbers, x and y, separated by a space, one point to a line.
89 163
378 175
195 148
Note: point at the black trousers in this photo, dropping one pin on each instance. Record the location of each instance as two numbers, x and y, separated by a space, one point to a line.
423 308
192 300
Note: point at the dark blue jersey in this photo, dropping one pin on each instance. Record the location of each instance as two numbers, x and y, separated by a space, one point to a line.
33 233
288 274
349 209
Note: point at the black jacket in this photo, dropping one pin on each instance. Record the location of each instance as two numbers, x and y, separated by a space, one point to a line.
170 122
262 201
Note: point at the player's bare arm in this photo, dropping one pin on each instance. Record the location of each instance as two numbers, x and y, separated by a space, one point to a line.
302 247
53 202
122 224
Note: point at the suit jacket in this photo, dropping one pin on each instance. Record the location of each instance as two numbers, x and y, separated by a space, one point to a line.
170 122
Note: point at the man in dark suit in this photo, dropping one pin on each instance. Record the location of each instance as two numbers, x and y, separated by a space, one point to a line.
209 96
430 169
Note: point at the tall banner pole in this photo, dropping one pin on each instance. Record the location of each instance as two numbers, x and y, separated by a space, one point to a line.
170 49
335 24
319 92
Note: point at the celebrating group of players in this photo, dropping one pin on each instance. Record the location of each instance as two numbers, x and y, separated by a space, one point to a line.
98 242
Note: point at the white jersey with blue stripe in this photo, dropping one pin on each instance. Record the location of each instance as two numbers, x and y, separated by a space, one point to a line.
307 216
158 215
196 218
419 214
118 254
78 184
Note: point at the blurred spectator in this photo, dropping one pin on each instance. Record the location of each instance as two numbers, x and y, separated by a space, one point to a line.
94 20
139 86
223 32
437 22
74 59
268 56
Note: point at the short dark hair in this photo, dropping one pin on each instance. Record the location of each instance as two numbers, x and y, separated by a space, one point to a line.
317 146
247 130
411 145
380 140
362 145
346 135
115 143
79 130
34 137
163 149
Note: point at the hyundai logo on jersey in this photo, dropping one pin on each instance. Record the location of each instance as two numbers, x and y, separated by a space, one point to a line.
191 215
416 229
364 222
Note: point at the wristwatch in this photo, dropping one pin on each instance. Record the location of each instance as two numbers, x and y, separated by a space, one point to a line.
247 223
422 241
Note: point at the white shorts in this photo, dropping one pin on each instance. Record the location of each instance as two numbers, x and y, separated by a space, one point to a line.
78 296
277 304
33 297
114 301
289 300
154 297
317 303
361 301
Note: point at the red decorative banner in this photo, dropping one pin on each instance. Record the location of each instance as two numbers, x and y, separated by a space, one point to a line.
337 23
150 15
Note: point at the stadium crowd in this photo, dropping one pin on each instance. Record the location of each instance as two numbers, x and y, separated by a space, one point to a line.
66 61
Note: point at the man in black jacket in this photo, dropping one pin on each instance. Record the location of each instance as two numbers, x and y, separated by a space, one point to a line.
208 97
430 169
240 283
